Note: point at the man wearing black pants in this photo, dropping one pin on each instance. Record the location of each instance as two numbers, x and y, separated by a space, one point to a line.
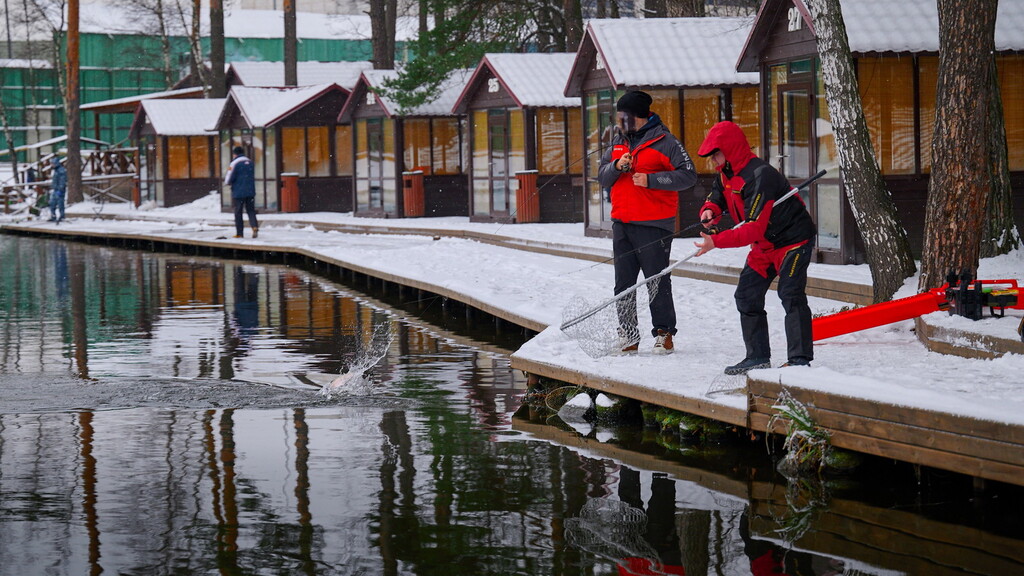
645 168
781 238
242 178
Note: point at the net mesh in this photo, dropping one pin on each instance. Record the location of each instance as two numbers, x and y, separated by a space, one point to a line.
613 530
603 328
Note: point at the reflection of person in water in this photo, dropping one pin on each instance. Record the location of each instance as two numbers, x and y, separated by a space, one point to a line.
246 312
60 265
766 559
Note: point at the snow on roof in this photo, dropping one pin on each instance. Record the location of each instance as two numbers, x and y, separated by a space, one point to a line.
106 18
25 63
344 74
139 97
536 79
913 25
183 117
450 90
651 52
263 106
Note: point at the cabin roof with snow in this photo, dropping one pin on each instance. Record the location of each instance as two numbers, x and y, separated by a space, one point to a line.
344 74
262 107
180 117
872 26
373 79
528 80
661 52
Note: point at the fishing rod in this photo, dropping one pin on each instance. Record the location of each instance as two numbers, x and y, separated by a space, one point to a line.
668 270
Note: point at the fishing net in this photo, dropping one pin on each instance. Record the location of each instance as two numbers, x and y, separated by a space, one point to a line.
613 530
606 328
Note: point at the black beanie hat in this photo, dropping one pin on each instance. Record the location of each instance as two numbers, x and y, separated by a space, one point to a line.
636 103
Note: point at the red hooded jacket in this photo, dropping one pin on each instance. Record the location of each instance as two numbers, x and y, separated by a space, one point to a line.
748 188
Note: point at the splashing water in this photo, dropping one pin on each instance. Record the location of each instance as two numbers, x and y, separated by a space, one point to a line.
358 381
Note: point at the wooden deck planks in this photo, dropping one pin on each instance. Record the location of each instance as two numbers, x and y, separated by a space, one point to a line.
991 450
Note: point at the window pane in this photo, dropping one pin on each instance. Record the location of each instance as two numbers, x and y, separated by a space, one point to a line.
517 142
928 79
1011 88
745 115
575 142
390 184
777 76
293 150
828 155
700 113
417 145
199 154
446 146
480 144
666 106
343 150
177 157
887 92
362 150
319 150
551 140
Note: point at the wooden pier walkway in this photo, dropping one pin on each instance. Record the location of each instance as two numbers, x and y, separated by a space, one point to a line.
991 449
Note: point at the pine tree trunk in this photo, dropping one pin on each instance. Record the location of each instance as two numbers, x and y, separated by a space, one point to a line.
291 45
885 240
72 108
961 177
573 24
1002 236
379 35
218 84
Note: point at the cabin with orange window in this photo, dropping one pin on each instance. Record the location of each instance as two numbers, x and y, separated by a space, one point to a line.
526 140
688 66
177 149
290 131
408 162
895 51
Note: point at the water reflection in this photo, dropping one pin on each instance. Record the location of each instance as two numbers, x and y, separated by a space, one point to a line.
160 414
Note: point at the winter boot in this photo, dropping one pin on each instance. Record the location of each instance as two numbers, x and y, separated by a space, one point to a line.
255 232
663 343
747 365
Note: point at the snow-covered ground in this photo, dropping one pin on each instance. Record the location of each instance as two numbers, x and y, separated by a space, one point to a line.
887 363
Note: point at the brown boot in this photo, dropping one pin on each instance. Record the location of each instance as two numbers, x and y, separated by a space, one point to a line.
663 343
255 232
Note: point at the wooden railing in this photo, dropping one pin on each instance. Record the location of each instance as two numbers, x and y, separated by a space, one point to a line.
17 198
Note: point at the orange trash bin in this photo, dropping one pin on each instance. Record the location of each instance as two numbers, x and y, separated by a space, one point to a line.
289 192
413 204
527 198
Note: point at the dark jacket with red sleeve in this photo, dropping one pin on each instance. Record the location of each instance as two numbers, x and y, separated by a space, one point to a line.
657 153
748 188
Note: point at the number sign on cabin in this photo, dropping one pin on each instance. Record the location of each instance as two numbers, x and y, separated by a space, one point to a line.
795 21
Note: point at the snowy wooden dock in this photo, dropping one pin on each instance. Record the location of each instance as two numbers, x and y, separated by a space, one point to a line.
982 438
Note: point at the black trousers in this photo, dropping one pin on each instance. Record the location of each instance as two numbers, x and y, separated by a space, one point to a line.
750 292
643 248
249 205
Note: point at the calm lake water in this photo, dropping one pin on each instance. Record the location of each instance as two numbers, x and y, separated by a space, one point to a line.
164 414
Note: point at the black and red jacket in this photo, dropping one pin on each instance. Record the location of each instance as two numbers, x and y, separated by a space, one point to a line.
657 153
748 188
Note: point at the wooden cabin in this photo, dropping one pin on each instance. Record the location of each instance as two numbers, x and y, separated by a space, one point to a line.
688 66
291 131
526 139
408 162
895 50
177 149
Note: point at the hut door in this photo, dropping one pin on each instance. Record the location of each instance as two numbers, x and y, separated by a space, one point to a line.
795 127
375 151
498 157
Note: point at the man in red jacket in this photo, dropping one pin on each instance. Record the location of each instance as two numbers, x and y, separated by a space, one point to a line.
781 239
645 168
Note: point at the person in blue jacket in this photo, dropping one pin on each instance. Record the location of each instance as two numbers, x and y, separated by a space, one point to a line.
242 179
58 187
